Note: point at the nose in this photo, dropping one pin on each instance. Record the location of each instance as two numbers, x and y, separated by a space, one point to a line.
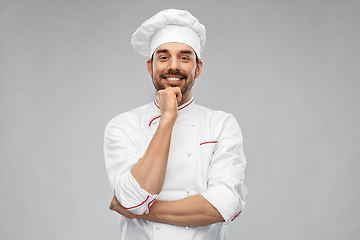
173 64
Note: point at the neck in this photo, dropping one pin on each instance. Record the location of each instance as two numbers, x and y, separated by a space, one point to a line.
185 98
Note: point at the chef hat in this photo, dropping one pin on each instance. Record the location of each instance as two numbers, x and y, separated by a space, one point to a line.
170 25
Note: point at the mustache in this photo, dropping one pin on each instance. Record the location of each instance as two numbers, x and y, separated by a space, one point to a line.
174 73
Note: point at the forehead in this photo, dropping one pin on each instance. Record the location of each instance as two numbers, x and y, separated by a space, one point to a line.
174 48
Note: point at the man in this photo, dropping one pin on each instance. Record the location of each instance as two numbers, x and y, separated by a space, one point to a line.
176 168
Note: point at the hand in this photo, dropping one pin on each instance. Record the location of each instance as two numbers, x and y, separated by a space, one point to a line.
168 100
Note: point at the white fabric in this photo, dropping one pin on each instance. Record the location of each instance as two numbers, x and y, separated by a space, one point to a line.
142 38
175 33
206 157
132 196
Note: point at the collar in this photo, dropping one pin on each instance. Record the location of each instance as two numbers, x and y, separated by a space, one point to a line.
184 108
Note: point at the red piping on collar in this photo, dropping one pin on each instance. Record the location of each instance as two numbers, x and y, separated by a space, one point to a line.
153 120
156 104
178 110
186 105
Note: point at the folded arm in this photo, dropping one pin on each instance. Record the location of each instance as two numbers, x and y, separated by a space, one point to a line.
138 178
150 170
190 211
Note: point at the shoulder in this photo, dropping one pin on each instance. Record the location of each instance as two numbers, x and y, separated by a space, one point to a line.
131 118
218 124
214 117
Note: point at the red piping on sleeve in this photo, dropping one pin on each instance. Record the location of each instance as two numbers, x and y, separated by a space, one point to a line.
235 216
150 204
139 204
208 142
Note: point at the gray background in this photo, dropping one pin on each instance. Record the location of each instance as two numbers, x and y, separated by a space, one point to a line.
287 70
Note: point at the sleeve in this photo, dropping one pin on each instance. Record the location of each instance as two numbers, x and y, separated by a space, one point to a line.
226 190
121 154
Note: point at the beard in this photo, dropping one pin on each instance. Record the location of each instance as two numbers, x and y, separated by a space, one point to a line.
159 85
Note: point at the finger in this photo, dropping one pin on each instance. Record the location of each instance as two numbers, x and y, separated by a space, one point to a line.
158 96
178 95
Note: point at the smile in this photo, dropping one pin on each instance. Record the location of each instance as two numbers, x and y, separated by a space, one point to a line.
173 79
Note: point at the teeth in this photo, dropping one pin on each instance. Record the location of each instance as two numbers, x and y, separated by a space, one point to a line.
173 79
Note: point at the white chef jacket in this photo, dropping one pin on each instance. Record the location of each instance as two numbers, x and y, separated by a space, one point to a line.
205 157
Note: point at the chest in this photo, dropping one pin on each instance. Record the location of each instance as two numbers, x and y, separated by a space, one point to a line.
188 160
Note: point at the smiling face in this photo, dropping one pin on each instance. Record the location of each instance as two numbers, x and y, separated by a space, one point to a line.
174 65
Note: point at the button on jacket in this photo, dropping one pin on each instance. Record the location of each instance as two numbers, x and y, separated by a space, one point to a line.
205 157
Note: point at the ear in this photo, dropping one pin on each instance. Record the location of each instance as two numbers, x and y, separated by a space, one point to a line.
198 68
149 66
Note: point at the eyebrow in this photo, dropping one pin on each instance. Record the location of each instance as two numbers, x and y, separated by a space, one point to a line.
167 51
187 52
162 51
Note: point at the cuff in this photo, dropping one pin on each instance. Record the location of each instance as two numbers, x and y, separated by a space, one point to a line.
226 202
133 198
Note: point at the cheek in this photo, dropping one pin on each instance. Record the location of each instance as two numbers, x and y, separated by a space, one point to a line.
193 73
154 72
157 71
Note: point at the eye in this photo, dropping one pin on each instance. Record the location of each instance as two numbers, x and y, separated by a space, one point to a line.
185 58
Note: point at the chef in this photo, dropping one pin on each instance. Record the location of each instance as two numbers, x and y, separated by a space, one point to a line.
176 168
